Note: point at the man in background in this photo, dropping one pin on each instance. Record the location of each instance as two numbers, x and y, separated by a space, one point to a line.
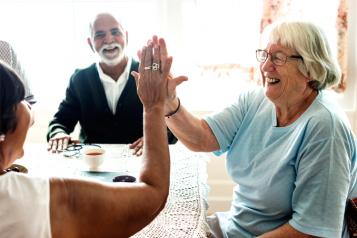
103 96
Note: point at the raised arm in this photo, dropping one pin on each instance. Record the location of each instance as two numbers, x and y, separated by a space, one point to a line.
193 132
86 209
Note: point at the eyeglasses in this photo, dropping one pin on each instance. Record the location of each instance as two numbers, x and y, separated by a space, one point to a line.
278 58
74 150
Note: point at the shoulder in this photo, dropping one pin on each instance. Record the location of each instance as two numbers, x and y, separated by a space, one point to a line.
327 110
134 65
253 95
15 191
4 43
90 69
5 52
250 100
83 73
26 184
328 120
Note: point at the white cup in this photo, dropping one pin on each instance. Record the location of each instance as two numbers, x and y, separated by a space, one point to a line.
93 157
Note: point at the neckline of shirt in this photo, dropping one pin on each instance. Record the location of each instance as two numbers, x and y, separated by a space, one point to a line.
123 78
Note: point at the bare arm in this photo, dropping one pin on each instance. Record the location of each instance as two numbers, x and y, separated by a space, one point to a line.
285 231
87 209
190 130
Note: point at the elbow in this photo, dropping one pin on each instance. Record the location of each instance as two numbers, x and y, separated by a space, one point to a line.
205 140
162 201
158 190
203 145
160 194
162 197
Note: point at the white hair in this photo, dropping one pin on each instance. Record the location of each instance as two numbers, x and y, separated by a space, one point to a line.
97 15
310 42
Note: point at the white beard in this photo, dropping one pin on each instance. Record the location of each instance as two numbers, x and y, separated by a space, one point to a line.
111 59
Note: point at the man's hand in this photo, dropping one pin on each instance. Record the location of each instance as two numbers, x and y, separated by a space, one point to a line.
59 142
137 146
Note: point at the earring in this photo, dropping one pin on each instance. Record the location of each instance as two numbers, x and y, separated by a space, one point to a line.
2 137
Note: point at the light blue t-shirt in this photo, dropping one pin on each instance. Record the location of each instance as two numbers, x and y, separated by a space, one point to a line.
301 174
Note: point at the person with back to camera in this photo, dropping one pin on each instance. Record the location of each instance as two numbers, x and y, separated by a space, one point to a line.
102 97
290 148
60 207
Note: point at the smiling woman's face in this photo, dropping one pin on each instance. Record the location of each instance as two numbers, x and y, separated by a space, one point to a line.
283 83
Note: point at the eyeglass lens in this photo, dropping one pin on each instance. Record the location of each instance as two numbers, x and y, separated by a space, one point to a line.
277 58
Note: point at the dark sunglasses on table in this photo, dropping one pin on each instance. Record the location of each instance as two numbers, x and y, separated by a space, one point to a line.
74 150
278 58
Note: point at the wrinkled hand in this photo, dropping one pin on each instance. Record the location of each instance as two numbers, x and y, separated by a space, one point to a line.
59 142
137 146
171 87
152 84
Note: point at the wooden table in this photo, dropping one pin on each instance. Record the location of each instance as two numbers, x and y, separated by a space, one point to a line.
186 207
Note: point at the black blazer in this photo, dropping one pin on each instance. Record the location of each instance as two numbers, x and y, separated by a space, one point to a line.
86 103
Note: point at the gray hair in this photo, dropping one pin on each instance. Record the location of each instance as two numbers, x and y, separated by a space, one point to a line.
310 42
98 15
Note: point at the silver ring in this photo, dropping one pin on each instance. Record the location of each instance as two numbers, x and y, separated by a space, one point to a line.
147 68
155 66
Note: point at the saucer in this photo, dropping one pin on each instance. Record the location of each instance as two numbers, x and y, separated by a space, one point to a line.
105 176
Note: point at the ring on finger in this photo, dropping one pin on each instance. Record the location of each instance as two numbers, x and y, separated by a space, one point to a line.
147 68
155 66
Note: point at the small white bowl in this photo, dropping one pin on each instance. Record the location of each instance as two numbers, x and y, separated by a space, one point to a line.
93 157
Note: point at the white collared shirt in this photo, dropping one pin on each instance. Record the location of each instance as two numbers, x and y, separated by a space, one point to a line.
113 89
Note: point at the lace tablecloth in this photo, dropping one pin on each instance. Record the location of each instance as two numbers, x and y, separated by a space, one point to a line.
185 211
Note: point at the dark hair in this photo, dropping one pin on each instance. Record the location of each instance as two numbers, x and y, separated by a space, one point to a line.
12 92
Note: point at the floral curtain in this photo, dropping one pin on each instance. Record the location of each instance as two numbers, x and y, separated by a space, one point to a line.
342 26
275 9
233 35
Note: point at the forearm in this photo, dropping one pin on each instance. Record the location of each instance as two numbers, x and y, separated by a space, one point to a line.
52 131
192 131
156 163
63 121
285 231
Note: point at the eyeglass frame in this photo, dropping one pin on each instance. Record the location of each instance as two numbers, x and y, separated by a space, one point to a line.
273 57
74 150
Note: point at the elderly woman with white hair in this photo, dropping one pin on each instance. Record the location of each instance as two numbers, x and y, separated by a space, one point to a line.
290 148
